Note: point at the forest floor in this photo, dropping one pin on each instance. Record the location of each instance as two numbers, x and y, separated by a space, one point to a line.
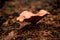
48 28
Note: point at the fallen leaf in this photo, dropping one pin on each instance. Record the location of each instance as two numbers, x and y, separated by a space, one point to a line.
27 15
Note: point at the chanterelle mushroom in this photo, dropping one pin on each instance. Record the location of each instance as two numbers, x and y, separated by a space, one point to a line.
30 17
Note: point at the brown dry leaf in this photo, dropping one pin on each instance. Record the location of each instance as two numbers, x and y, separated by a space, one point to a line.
27 14
24 15
42 13
10 35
